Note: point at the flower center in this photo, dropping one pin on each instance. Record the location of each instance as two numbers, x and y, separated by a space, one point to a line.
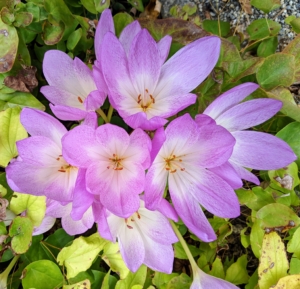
145 100
129 221
173 163
116 163
64 166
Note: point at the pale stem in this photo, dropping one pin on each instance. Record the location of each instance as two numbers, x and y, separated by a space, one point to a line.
102 114
110 112
185 247
5 273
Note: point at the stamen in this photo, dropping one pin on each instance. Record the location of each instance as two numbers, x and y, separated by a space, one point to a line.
58 159
174 171
118 168
152 98
138 215
146 90
63 171
129 227
80 99
139 98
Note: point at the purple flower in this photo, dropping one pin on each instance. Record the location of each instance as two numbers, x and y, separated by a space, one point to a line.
183 160
71 89
115 163
142 88
255 150
145 237
205 281
40 168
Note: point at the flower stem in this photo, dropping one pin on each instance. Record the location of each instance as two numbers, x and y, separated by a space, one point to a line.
185 247
110 112
102 114
5 273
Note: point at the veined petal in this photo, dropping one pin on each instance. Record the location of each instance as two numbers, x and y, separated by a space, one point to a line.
164 47
39 123
80 146
157 142
47 223
244 173
128 33
139 120
68 113
249 113
99 78
261 151
101 219
94 100
167 210
228 174
229 99
185 70
144 67
203 119
105 24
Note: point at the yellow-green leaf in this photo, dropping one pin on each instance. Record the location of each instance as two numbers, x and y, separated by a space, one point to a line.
10 132
133 279
288 282
35 207
80 255
85 284
273 262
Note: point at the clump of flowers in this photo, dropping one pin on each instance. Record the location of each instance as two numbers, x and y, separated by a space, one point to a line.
118 180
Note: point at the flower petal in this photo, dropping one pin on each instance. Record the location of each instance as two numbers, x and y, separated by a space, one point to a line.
139 120
47 223
91 120
94 100
164 45
185 70
39 123
229 99
105 24
249 113
68 113
261 151
128 33
244 173
157 142
101 220
167 210
203 119
99 78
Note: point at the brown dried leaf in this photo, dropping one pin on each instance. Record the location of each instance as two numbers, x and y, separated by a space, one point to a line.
246 6
24 81
152 10
3 204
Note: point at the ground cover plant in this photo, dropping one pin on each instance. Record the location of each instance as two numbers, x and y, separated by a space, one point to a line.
138 152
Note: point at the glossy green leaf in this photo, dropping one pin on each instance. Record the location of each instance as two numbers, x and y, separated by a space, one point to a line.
9 46
267 47
273 262
35 207
99 277
294 266
101 5
80 255
121 20
256 237
74 39
217 269
137 4
36 251
137 278
42 274
89 5
293 245
182 281
289 19
216 27
237 272
277 70
105 283
296 25
160 280
21 232
266 5
263 28
11 131
53 31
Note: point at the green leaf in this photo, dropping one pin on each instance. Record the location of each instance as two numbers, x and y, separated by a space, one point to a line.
182 281
6 16
263 28
293 245
290 135
289 19
105 283
180 253
9 46
85 284
5 187
74 38
21 232
138 4
277 70
217 269
245 239
99 277
256 237
161 280
121 20
137 278
296 25
89 5
42 274
253 281
35 207
21 99
80 255
273 262
266 5
216 27
101 5
36 251
11 131
112 257
23 19
294 266
53 31
237 272
267 47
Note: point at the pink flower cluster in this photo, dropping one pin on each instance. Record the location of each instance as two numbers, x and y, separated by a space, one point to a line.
101 174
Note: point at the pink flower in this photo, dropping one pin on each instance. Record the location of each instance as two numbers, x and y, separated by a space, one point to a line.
40 168
145 237
255 150
115 163
142 88
183 161
72 89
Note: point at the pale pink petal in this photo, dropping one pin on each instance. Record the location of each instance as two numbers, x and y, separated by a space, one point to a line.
228 174
68 113
244 173
189 209
101 220
47 223
38 123
99 78
261 151
139 120
105 24
91 120
143 66
80 146
185 70
249 113
94 100
164 47
128 33
167 210
157 142
203 119
229 99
